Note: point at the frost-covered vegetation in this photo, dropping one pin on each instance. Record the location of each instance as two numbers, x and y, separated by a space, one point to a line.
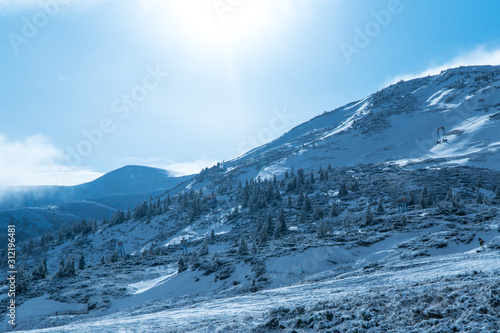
340 225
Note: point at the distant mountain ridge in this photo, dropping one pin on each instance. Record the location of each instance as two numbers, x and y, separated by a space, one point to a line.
132 181
38 209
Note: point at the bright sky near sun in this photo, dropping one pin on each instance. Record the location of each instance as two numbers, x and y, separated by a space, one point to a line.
88 86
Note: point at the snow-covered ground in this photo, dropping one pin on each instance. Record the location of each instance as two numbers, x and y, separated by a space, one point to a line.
443 277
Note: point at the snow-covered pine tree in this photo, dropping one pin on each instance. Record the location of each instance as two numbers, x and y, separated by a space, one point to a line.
300 200
380 207
346 222
302 216
181 265
270 225
343 189
195 260
479 197
317 214
262 236
22 279
354 185
334 209
281 228
323 228
81 262
243 248
368 215
66 268
307 204
449 195
204 247
40 271
425 198
404 220
277 195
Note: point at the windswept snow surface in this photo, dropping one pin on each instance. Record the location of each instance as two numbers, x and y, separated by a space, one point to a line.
396 124
246 313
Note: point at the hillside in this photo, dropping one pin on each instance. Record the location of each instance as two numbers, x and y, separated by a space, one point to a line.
357 220
397 125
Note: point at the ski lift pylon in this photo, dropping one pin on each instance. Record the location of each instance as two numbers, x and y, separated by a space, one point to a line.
441 135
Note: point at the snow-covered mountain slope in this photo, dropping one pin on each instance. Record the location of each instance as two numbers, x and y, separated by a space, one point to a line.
359 221
398 124
366 265
35 221
424 277
138 182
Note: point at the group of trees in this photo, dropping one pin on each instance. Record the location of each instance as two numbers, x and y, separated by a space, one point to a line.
258 194
49 238
262 199
151 209
195 203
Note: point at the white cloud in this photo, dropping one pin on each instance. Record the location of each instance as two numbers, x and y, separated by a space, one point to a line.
189 168
175 168
36 161
479 56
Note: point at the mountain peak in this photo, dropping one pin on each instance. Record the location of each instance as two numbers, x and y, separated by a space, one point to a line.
399 124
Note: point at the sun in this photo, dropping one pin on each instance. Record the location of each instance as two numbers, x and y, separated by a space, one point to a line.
220 21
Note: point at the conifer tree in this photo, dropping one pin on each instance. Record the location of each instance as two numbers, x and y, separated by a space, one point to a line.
334 210
243 248
40 271
497 191
66 268
380 207
181 265
343 190
212 236
307 204
263 234
281 228
355 185
81 262
347 220
204 247
425 198
449 195
323 229
300 200
368 215
302 217
479 197
195 261
317 214
270 225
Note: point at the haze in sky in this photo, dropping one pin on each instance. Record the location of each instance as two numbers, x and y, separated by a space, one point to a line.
89 86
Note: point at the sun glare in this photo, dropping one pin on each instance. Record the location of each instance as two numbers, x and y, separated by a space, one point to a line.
221 21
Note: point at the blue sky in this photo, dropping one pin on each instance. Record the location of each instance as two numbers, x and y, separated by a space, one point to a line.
89 86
